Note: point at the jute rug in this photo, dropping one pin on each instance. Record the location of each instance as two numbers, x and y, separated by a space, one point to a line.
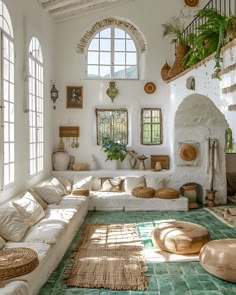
226 214
108 256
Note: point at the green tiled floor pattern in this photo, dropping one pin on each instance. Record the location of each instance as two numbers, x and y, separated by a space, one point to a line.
182 278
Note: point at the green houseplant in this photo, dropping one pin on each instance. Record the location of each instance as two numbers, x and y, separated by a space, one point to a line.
213 32
114 150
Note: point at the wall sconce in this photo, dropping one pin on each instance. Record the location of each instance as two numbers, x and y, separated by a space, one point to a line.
54 94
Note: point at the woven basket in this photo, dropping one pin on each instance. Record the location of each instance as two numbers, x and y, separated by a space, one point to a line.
80 167
16 262
178 66
143 192
164 72
167 193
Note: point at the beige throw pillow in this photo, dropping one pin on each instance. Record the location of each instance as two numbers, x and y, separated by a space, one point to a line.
2 242
29 208
48 193
59 186
131 182
12 227
38 199
154 182
111 184
83 182
66 183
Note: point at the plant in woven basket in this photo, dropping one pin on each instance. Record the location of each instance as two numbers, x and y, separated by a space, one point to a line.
114 150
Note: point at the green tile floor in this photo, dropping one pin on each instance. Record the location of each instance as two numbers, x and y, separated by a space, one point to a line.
182 278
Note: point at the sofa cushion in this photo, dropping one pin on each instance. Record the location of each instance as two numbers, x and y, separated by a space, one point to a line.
13 227
38 198
29 208
131 182
59 186
154 182
111 184
143 192
72 201
2 242
83 182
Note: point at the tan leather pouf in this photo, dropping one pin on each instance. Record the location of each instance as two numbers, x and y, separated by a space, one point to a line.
180 237
167 193
219 259
143 192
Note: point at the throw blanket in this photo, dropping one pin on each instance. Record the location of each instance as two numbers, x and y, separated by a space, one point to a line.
109 256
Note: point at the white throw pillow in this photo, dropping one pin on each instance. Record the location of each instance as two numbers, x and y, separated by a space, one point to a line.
2 242
83 182
131 182
29 208
38 199
111 184
59 186
66 183
154 182
48 193
12 227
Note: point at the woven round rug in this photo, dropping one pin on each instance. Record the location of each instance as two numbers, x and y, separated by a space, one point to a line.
16 262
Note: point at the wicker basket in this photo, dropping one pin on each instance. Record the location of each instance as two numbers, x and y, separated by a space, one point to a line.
80 167
164 72
167 193
178 66
16 262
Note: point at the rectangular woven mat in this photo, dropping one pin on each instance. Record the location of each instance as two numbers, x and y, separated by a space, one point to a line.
108 256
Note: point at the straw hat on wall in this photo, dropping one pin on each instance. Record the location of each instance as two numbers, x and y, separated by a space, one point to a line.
188 152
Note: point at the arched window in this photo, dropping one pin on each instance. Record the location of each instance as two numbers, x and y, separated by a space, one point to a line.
112 54
36 111
7 103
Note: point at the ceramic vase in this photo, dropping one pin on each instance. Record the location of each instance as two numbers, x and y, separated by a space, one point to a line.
190 192
60 160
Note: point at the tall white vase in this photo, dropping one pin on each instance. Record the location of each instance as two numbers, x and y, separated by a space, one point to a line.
60 160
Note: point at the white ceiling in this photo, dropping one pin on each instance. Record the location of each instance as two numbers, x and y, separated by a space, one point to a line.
65 9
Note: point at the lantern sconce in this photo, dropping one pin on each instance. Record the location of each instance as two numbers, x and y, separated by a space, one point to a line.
54 94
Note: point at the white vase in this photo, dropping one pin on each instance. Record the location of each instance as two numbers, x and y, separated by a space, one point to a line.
60 161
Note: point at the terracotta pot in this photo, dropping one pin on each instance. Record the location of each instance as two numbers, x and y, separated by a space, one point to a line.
190 192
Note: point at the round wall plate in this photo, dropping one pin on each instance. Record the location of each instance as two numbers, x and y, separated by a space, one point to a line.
149 87
191 3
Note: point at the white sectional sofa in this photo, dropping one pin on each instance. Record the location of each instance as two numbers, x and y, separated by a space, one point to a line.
50 227
50 237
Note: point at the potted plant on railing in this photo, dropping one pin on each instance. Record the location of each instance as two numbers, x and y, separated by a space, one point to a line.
114 150
214 31
174 29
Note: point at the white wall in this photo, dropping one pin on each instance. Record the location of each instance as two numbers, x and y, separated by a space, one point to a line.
147 16
40 25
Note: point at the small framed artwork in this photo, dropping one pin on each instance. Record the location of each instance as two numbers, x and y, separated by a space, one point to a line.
74 97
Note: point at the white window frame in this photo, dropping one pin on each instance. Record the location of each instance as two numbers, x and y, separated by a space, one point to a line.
112 52
36 108
7 103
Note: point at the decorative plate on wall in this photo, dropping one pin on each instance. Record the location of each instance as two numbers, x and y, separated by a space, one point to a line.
191 3
149 87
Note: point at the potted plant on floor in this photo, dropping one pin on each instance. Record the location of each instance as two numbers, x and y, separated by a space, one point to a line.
175 30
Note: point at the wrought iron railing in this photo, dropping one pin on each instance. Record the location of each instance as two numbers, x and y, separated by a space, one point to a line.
226 7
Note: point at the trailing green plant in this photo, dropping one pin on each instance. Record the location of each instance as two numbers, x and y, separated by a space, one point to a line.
114 150
174 29
213 32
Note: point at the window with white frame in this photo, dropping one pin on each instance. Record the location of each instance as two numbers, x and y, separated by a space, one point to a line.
36 108
7 103
151 126
112 123
112 54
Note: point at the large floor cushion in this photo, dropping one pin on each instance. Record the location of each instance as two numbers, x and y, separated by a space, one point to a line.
143 192
167 193
219 259
180 237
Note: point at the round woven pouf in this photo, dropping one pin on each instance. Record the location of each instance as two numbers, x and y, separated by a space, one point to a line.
16 262
219 259
167 193
180 237
143 192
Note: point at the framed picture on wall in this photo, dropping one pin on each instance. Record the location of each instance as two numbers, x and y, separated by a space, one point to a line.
74 97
